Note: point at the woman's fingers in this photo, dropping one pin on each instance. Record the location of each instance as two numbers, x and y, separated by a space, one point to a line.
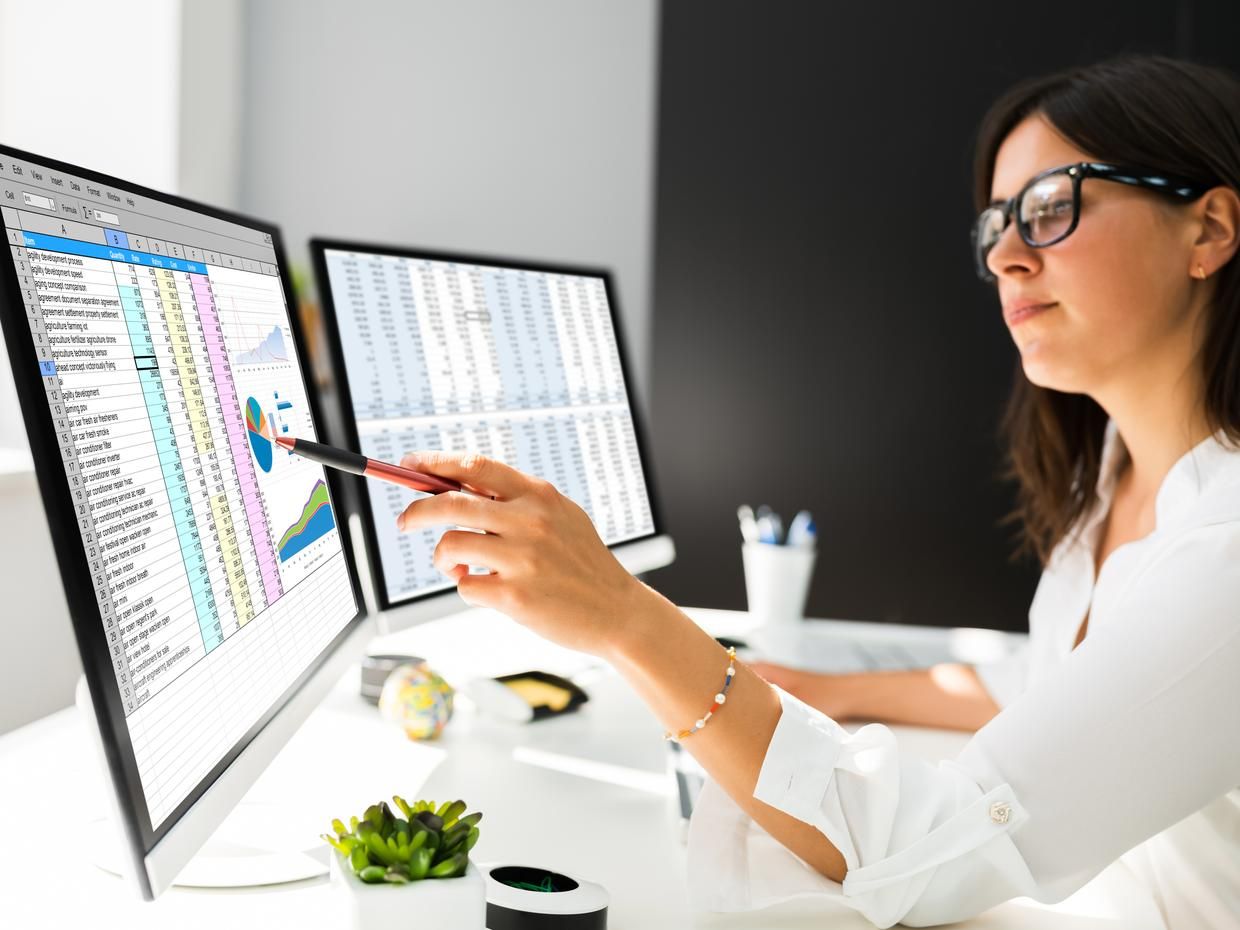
463 548
479 473
482 591
453 508
549 569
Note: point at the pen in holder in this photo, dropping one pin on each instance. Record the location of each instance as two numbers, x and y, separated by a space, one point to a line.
777 581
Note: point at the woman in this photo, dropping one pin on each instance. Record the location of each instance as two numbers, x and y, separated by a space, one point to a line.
1109 221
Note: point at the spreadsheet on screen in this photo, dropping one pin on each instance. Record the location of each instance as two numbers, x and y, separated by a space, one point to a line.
520 364
163 341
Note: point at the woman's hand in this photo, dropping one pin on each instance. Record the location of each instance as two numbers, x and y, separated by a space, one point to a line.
827 693
549 569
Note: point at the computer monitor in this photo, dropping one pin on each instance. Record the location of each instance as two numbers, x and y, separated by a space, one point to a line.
156 358
520 361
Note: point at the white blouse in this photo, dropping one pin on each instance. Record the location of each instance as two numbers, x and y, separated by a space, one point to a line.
1127 746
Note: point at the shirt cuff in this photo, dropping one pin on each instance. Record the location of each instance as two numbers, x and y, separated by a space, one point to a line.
800 760
895 820
733 864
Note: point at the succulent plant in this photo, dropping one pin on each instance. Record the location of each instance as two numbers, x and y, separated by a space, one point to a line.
426 842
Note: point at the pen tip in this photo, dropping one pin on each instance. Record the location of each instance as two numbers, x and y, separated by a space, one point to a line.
285 442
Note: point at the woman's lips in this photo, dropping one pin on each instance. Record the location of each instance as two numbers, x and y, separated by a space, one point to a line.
1021 312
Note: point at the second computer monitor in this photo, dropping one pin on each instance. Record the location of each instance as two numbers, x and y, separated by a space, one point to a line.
519 362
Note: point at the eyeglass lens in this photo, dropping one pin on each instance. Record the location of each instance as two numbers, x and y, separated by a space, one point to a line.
1044 214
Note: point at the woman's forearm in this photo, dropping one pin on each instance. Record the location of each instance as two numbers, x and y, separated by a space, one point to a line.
551 573
949 695
677 668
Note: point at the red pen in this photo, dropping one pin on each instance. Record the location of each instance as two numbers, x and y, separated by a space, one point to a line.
371 468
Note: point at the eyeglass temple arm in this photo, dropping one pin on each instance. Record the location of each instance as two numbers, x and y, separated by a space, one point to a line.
1178 187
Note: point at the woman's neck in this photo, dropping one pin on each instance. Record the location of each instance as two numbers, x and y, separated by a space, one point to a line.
1159 420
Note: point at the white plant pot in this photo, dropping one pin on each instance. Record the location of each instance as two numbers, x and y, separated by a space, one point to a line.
457 903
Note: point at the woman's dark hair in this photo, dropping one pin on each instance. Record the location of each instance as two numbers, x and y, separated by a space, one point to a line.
1171 116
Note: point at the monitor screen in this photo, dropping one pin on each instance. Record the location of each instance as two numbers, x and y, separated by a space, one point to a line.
156 357
518 362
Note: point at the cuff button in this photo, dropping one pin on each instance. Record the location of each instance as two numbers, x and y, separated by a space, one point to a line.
1000 812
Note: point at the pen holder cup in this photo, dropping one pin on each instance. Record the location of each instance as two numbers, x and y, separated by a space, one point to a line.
777 581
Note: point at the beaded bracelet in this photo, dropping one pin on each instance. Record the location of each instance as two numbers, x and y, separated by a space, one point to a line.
719 699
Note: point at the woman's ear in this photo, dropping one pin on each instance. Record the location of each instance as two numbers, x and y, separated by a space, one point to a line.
1219 212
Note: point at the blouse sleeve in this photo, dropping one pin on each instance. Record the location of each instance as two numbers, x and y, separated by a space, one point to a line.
1005 678
1132 733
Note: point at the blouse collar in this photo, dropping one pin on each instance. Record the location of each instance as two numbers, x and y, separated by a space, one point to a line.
1211 462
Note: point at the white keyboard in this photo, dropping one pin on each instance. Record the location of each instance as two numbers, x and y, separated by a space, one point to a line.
840 646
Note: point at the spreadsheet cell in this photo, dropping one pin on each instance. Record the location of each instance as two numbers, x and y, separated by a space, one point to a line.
519 365
168 373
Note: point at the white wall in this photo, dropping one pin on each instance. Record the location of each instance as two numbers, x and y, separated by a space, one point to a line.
94 84
522 129
213 79
39 662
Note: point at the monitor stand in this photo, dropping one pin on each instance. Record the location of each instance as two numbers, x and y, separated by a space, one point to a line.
256 844
246 851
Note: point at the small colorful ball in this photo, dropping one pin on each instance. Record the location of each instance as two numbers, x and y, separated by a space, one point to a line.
418 699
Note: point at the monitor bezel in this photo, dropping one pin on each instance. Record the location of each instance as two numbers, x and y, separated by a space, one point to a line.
140 836
360 498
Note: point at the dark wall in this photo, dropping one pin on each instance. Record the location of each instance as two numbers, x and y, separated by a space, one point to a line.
819 337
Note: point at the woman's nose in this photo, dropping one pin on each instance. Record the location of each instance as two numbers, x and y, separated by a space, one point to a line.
1011 256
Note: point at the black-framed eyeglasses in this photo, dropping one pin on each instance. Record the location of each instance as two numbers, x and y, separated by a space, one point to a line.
1048 208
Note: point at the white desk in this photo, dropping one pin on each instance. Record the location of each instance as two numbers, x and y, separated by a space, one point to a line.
616 823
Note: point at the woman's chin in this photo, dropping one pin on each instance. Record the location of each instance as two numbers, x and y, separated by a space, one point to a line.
1045 372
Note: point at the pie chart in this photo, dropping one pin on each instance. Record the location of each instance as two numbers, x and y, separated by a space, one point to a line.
259 431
